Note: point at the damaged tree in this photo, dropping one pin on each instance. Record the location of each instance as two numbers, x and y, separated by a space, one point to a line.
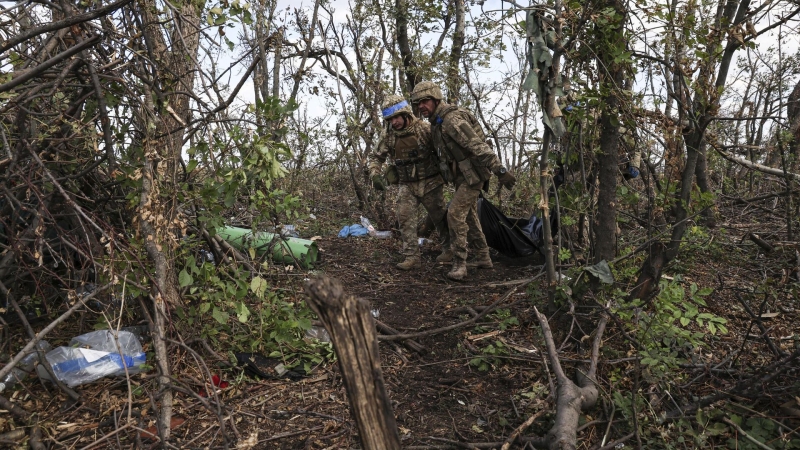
349 322
571 398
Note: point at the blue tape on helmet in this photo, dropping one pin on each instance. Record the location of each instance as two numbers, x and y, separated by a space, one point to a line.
393 109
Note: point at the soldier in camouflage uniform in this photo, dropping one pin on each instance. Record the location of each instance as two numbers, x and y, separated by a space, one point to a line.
408 144
467 160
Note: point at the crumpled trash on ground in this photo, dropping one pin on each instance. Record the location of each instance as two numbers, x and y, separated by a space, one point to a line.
365 228
318 333
256 365
285 231
217 382
94 355
354 230
24 367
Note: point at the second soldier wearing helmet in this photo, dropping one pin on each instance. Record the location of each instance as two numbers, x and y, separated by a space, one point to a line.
466 160
408 146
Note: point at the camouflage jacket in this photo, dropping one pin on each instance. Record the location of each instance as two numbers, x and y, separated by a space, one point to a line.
461 145
418 170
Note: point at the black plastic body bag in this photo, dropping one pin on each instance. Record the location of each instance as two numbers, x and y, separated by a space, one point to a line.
511 237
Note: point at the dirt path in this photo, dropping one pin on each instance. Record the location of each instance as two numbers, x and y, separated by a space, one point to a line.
441 393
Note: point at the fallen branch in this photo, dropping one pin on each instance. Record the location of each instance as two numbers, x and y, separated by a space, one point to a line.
516 282
755 166
739 429
534 441
15 410
766 246
456 326
410 343
571 398
757 319
744 388
516 433
614 444
290 434
744 201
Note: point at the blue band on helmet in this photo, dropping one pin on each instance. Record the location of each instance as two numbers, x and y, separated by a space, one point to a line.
393 109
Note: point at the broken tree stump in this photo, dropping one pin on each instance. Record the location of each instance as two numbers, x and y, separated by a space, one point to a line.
352 330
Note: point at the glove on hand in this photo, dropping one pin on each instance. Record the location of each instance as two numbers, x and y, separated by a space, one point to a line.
378 183
508 180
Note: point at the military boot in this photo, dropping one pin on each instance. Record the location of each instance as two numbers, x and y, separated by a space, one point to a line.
459 270
411 262
483 260
446 257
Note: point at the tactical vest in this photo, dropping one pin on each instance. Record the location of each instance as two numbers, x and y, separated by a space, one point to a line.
452 157
412 158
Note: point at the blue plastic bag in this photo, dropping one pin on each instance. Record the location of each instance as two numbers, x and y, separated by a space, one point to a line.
353 230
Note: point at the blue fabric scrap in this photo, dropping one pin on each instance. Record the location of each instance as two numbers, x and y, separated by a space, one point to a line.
353 230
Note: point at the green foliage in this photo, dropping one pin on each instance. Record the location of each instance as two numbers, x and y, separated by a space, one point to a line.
242 313
247 175
763 430
505 319
492 353
671 326
233 308
489 356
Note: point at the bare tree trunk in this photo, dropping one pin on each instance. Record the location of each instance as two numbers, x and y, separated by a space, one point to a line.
352 330
409 67
793 116
612 81
164 290
453 76
163 130
544 208
703 109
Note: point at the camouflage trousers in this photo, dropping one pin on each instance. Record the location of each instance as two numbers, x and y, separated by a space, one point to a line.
407 202
462 219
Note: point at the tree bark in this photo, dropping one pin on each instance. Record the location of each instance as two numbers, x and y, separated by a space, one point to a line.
349 322
409 65
612 81
793 116
701 112
544 208
571 398
453 75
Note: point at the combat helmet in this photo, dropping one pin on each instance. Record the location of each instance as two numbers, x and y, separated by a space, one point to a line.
395 105
425 89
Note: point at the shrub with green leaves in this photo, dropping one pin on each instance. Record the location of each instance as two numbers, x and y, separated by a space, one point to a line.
670 326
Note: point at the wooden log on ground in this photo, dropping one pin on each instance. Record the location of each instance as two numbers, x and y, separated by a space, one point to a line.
352 330
766 246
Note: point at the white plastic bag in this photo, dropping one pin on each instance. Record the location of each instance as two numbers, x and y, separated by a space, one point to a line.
366 224
94 355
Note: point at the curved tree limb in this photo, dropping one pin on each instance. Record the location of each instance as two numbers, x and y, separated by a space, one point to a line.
99 12
755 166
23 76
571 398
